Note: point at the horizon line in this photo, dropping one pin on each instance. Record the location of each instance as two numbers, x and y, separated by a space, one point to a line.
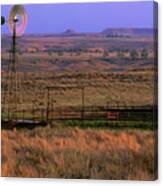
85 32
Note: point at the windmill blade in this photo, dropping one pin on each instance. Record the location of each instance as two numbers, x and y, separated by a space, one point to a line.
2 20
18 15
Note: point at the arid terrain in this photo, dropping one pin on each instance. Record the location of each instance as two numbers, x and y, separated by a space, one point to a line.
86 53
115 70
120 70
79 153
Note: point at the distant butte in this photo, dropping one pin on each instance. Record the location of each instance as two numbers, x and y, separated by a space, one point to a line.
127 32
69 32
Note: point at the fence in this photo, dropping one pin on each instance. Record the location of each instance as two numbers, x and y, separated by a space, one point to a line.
107 112
88 113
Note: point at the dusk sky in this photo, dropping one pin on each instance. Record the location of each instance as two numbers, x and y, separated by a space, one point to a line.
85 17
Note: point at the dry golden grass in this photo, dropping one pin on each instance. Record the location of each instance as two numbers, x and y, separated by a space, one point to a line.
78 153
130 88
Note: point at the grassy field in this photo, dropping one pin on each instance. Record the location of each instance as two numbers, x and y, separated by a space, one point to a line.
144 125
79 54
110 75
104 65
133 88
64 152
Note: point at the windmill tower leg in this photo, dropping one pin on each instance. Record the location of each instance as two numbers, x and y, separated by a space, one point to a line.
12 79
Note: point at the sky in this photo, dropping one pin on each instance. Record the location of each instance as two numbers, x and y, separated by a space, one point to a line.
85 17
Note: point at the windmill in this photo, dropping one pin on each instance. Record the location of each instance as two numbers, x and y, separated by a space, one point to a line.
17 22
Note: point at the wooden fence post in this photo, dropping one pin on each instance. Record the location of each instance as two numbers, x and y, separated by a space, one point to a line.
83 103
48 104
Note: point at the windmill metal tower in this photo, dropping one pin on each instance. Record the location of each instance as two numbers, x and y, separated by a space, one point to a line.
17 23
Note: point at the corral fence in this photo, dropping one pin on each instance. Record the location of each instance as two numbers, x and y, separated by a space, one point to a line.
121 113
106 112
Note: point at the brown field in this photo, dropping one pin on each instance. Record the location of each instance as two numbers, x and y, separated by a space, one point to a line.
88 60
79 54
79 153
133 88
111 76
